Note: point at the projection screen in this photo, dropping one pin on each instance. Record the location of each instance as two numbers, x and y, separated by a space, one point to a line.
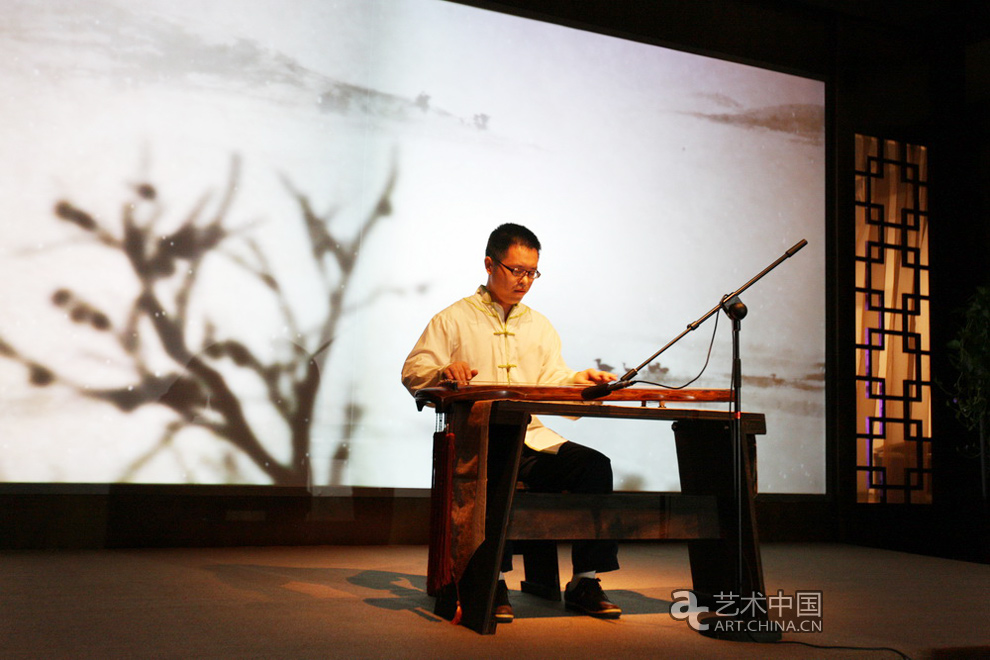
225 224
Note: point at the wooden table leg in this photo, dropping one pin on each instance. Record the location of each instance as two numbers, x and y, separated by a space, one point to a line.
706 466
477 586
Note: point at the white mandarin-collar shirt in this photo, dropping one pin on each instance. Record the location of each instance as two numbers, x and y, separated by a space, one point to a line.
518 348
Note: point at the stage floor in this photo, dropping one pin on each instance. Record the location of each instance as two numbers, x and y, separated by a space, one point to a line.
370 602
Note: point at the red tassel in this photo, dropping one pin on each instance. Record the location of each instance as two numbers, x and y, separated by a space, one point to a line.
457 614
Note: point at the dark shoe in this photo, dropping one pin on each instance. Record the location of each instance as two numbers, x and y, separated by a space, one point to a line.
587 596
503 609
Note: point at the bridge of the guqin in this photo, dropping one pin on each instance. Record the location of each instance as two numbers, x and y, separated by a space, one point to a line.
484 427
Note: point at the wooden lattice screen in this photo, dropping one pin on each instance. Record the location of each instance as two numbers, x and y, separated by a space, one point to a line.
893 376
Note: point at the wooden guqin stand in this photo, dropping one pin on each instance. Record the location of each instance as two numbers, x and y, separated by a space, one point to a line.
706 512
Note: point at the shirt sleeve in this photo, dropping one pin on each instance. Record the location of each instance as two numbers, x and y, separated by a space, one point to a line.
426 361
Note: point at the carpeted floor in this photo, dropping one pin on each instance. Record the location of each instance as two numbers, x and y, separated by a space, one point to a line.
369 602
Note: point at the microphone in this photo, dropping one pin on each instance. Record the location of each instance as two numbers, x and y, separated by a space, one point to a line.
603 389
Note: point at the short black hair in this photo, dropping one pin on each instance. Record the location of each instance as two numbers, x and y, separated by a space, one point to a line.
507 235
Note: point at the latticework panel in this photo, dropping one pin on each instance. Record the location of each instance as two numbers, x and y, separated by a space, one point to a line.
893 376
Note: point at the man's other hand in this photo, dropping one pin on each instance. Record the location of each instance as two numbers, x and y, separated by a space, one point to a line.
593 377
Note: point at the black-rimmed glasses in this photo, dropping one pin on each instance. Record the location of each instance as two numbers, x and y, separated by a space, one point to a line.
518 272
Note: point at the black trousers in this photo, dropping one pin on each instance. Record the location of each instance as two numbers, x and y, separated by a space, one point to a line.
573 469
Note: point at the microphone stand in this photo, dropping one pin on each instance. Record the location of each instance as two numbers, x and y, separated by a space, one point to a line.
735 310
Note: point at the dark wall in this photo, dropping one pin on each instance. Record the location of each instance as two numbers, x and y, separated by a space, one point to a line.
127 516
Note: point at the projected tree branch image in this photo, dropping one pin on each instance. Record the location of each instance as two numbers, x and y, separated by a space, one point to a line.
224 225
166 268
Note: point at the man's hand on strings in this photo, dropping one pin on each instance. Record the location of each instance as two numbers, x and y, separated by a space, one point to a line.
459 373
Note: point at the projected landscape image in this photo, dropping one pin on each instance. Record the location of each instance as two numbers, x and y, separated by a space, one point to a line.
224 226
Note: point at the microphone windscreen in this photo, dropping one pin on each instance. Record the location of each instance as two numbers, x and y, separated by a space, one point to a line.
595 391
